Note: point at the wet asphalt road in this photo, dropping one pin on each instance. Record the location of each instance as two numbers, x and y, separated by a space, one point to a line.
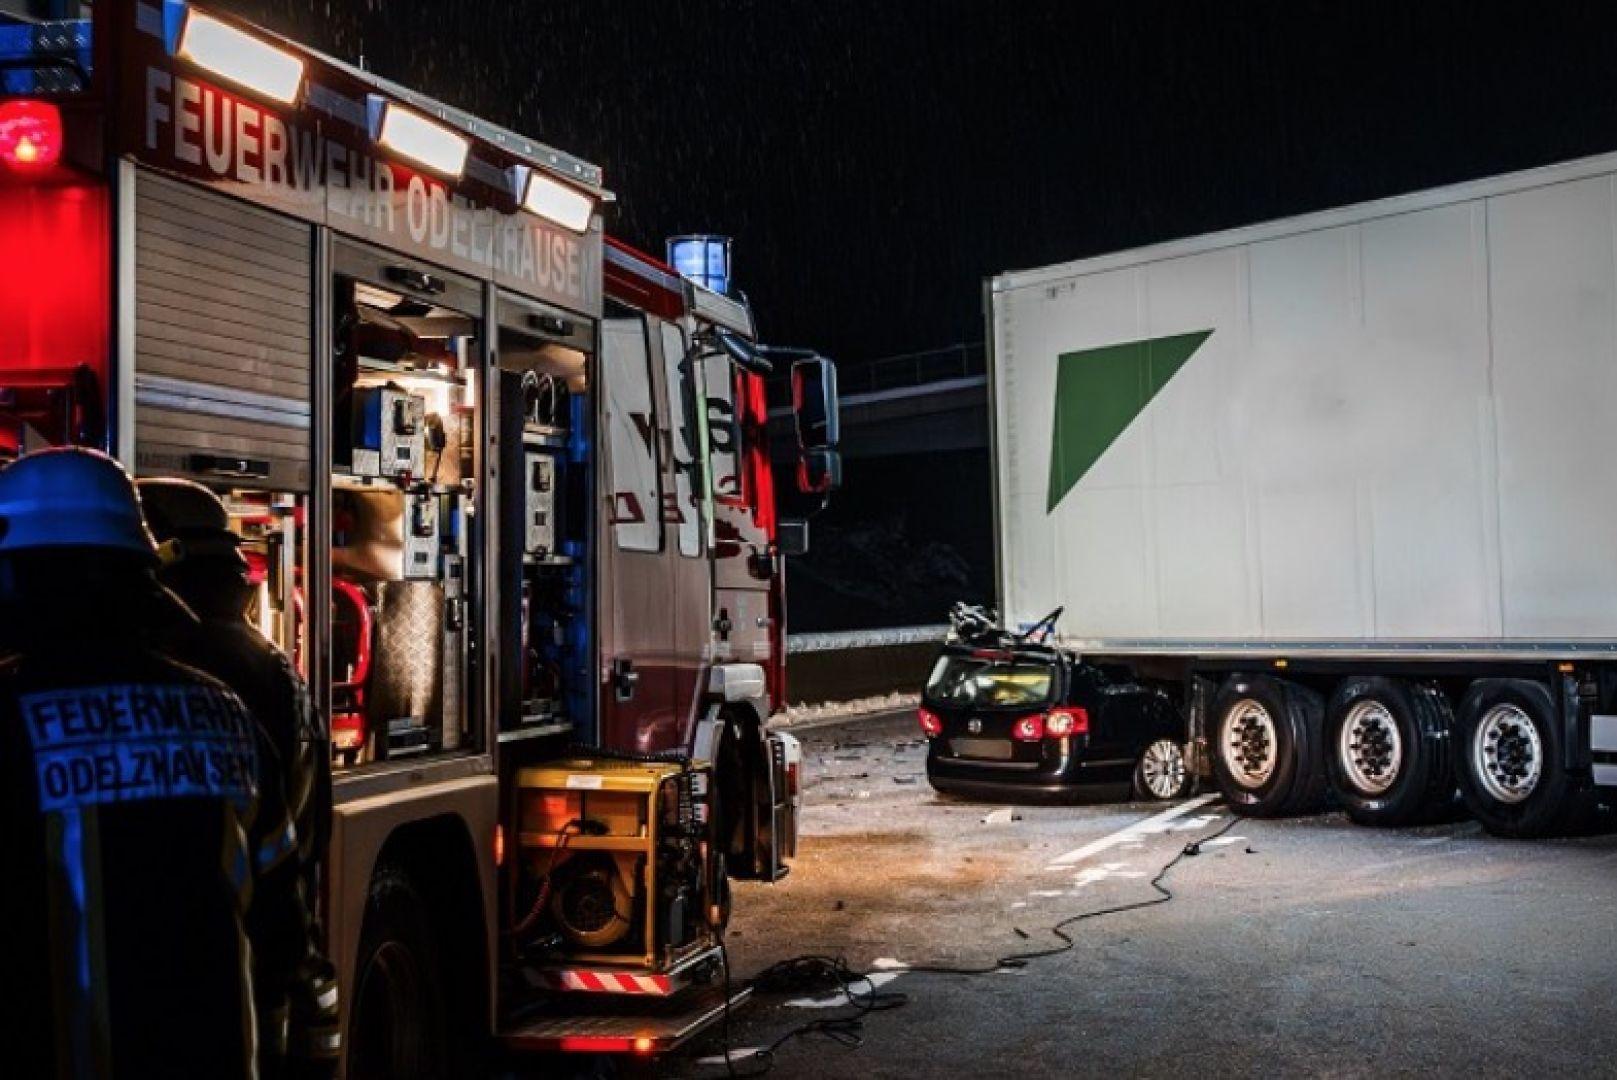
1300 947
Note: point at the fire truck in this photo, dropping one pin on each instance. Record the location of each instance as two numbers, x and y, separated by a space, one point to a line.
504 485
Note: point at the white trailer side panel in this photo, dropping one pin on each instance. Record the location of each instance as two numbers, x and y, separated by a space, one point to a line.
1401 428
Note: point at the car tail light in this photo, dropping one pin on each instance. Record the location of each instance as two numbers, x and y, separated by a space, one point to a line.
931 722
30 134
1029 728
1060 723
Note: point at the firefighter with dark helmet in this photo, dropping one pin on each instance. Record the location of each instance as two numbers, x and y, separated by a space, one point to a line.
294 984
130 822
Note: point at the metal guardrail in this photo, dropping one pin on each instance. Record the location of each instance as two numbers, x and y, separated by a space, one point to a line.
836 641
896 372
912 369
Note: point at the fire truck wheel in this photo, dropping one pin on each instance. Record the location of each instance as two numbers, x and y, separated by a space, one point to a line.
399 1026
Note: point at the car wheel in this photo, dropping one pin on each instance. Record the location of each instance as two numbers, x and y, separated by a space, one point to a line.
1386 745
399 1025
1266 747
1509 758
1161 773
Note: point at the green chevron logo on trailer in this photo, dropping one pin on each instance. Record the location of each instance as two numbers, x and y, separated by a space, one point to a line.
1100 391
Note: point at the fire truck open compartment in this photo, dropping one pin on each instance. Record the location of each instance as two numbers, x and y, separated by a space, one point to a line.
406 495
544 367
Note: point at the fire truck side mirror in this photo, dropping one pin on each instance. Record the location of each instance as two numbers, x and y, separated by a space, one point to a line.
819 472
792 537
814 404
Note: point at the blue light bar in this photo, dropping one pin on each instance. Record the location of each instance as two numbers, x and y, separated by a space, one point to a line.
704 259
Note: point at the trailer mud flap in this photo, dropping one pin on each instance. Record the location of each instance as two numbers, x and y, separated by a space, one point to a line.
1603 749
1576 730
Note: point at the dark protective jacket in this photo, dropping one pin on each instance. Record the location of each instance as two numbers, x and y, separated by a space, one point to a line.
295 984
131 832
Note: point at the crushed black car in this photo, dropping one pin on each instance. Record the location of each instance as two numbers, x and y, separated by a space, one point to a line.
1009 716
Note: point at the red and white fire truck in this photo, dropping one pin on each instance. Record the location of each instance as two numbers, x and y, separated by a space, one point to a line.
504 484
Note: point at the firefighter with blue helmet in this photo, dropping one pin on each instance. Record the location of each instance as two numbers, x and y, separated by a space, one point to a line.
130 817
294 984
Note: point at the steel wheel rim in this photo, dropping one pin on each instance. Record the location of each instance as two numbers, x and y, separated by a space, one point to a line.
1507 755
1250 744
1370 748
1163 768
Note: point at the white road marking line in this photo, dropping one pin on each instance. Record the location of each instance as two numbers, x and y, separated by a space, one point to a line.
1132 832
1222 840
1195 824
1089 875
861 986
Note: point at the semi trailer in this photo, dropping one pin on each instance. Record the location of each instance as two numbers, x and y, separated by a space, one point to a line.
1341 486
504 485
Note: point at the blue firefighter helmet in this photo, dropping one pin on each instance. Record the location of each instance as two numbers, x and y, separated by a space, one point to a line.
70 497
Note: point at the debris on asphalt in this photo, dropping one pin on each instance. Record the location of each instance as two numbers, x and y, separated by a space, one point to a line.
1003 816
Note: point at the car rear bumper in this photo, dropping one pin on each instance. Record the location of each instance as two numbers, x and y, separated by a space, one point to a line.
1059 772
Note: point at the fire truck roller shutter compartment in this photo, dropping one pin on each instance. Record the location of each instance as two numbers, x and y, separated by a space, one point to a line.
222 349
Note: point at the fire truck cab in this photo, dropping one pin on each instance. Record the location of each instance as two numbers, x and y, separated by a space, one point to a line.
504 484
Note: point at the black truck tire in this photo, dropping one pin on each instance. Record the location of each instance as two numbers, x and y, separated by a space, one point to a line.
1509 759
1266 751
1386 746
399 1027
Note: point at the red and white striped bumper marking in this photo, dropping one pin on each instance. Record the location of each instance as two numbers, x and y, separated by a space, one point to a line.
609 982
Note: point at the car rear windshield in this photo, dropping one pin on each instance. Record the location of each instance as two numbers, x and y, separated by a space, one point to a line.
985 684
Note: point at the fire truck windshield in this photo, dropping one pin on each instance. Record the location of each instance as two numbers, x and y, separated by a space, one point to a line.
44 47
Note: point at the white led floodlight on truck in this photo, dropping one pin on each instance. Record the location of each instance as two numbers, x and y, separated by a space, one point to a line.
237 56
551 199
410 135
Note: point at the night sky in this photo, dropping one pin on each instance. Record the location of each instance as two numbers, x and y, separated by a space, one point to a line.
875 161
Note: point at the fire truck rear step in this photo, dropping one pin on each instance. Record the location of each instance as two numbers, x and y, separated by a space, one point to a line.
627 1024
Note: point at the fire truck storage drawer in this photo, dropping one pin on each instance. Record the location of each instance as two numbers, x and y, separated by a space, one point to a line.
222 337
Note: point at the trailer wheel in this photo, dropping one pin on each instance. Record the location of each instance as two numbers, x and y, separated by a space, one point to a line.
1266 747
1386 747
399 1026
1509 757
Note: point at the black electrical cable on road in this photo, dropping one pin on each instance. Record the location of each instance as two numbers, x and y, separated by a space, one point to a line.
811 971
